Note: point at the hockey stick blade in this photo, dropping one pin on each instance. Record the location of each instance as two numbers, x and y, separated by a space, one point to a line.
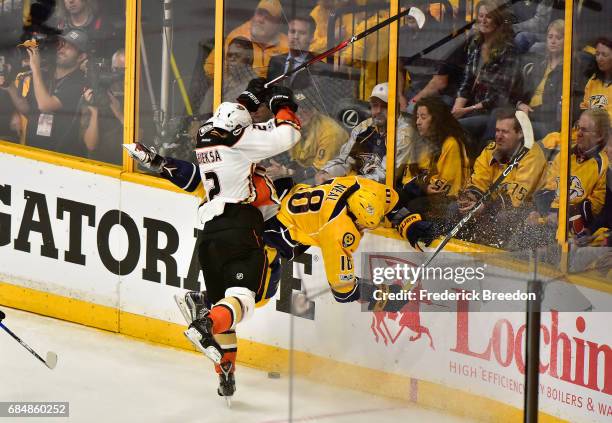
51 360
526 128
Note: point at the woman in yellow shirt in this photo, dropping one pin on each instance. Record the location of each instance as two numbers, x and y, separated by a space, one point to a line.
442 167
598 91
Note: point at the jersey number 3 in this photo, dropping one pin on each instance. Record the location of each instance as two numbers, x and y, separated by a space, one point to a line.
216 187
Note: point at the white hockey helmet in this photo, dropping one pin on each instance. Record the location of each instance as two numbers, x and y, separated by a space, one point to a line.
231 117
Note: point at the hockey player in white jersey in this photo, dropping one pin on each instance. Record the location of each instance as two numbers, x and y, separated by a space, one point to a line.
231 249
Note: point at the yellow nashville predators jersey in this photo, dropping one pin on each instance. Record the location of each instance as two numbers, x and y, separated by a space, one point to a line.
597 95
587 180
318 216
449 174
520 183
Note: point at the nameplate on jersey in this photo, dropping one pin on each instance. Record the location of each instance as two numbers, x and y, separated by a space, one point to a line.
336 192
208 156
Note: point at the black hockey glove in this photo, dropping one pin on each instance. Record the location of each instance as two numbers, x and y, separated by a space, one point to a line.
254 95
418 231
542 200
281 97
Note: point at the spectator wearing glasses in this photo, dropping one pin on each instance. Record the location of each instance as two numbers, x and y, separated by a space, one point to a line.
588 170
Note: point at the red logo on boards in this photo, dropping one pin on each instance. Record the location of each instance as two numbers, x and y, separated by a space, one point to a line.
387 326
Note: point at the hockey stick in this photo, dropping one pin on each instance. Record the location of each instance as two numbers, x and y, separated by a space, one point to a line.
339 47
528 138
51 360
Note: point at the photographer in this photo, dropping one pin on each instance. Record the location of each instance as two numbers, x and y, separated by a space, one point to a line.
102 117
51 106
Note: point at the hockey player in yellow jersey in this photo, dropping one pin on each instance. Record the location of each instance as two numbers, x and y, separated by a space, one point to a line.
333 217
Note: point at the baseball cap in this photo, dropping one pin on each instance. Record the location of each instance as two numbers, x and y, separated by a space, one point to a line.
77 38
381 91
418 16
273 7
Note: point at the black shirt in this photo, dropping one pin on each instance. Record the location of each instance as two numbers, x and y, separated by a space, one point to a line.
58 131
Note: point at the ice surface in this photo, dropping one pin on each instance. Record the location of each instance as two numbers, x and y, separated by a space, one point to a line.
113 378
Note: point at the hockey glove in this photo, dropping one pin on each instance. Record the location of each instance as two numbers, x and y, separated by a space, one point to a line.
254 95
281 97
146 156
412 190
417 231
543 199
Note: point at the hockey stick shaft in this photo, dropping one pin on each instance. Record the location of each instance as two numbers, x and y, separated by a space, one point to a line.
513 163
50 365
339 47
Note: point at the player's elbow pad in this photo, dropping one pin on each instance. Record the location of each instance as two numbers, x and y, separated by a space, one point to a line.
286 116
184 175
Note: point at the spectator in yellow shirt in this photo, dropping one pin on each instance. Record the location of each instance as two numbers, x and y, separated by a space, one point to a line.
598 91
442 169
321 140
588 168
505 212
263 30
345 25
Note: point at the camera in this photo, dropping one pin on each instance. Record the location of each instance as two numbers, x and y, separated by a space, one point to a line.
102 79
46 42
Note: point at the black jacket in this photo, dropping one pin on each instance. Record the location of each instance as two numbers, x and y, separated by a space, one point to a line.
532 73
276 67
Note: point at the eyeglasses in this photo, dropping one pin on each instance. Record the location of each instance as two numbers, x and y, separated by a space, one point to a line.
582 129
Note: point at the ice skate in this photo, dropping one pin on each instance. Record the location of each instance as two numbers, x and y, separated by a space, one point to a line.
227 382
200 334
191 304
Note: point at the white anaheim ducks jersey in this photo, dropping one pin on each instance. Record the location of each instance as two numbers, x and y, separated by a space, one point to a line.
227 164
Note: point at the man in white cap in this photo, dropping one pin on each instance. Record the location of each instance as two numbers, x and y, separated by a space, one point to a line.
366 150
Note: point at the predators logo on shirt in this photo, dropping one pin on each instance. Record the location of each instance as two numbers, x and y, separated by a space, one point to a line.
576 190
348 240
598 102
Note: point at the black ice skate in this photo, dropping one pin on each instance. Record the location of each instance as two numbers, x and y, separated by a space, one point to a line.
200 334
192 304
227 382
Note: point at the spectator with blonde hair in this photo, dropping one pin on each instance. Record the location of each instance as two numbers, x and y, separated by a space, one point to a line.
543 82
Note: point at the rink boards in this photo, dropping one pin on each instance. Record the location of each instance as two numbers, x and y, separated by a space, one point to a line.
89 244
